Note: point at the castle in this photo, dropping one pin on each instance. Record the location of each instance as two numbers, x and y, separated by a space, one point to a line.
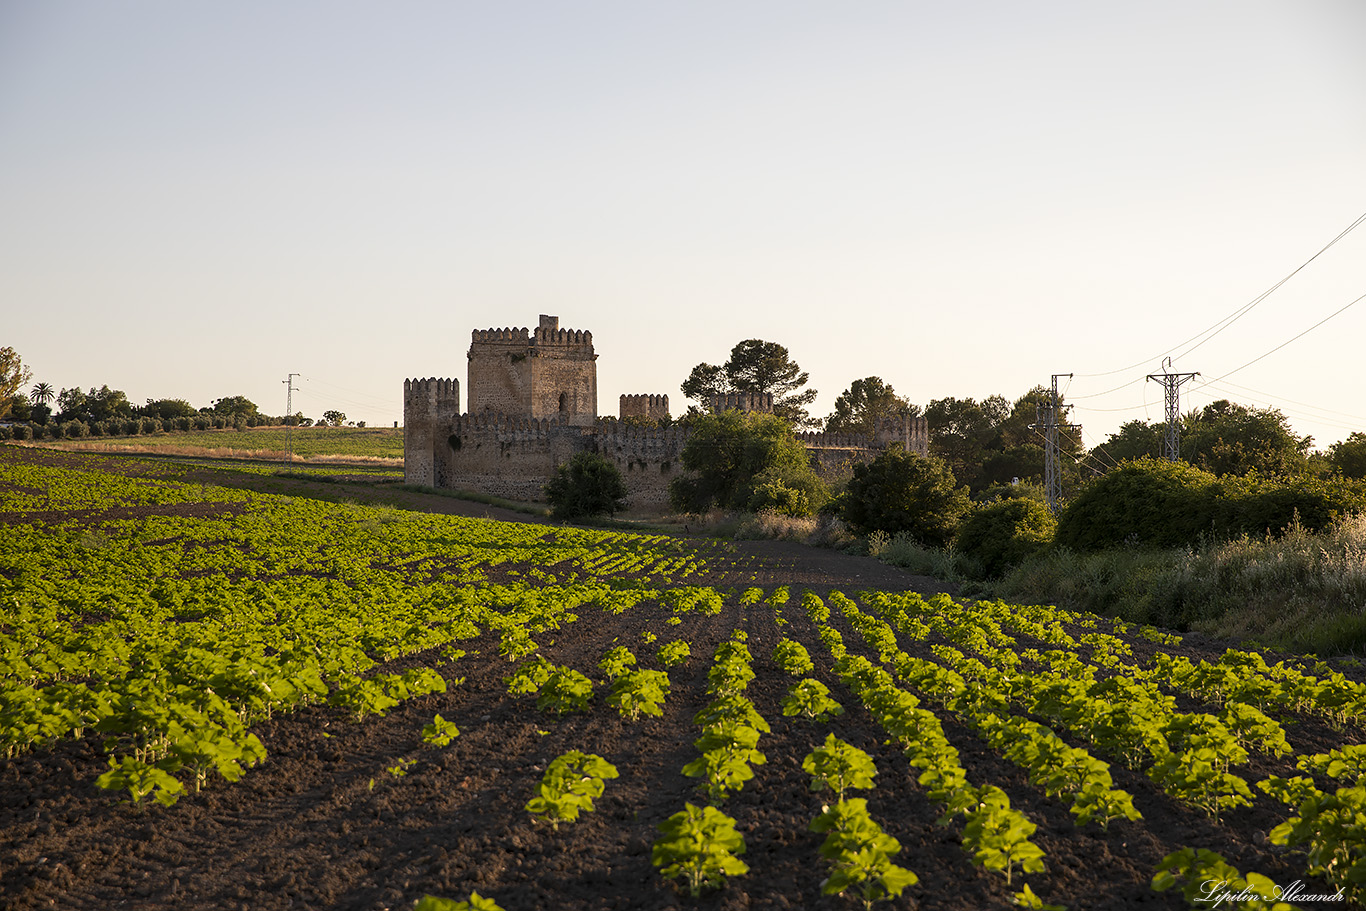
533 403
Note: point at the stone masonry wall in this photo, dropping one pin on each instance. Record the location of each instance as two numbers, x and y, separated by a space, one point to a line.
651 407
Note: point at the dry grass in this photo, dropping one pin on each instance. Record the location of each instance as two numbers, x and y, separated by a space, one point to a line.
1302 591
766 525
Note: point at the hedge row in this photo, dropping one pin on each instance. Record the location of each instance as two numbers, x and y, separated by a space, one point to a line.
120 427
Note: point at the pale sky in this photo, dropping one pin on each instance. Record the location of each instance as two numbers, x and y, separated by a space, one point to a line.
197 199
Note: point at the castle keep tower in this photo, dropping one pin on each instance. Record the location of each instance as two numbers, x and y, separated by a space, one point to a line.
547 373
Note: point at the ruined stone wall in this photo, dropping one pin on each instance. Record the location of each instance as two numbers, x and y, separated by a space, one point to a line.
913 433
651 407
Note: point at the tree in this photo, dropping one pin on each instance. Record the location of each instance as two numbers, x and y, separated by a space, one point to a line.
1227 438
17 408
905 492
42 394
235 406
962 430
1348 457
859 407
164 409
334 418
586 485
756 367
13 376
1134 440
72 405
730 455
105 403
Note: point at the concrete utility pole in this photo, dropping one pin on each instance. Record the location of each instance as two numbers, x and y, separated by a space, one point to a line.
289 415
1171 444
1047 418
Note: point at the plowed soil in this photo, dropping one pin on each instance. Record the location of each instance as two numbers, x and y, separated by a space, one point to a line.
346 815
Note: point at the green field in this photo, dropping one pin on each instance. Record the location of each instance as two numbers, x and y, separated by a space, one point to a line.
305 442
247 660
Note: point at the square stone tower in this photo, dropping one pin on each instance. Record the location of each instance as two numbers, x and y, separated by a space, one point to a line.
548 372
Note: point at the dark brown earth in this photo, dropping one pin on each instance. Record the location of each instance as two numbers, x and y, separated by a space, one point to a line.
331 820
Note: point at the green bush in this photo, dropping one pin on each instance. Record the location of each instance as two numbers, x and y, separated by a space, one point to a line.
1002 534
901 492
1144 502
21 432
793 491
586 485
1170 504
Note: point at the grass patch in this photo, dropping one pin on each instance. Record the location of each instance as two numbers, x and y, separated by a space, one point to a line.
379 445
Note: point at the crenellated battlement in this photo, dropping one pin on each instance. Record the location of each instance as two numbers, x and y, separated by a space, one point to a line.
627 437
743 401
497 422
823 440
430 391
653 407
563 338
503 336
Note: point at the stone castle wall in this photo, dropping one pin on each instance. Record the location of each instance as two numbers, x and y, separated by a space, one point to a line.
650 407
532 404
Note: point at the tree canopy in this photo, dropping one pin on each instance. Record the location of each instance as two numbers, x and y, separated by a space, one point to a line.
902 491
93 405
755 367
1227 438
994 441
1348 458
859 407
13 376
235 406
743 461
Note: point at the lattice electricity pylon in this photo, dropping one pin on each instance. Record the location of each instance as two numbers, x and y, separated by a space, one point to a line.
1171 443
1046 417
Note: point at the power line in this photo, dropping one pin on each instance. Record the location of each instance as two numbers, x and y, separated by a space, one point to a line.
1288 341
1233 317
1281 398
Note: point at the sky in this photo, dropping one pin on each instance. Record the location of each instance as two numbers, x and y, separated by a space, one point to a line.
964 199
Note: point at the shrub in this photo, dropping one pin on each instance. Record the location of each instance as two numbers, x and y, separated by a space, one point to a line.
1000 535
793 491
1144 502
586 485
900 492
1170 504
21 432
